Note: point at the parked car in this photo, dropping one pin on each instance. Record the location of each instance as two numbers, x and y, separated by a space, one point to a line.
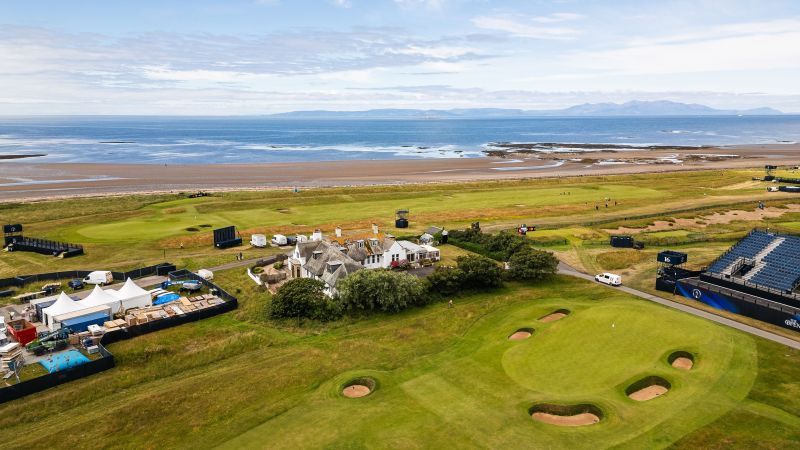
50 288
609 279
76 284
101 277
279 240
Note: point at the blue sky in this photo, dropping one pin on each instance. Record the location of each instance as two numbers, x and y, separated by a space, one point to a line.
265 56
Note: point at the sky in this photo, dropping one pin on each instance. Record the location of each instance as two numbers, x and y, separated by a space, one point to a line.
245 57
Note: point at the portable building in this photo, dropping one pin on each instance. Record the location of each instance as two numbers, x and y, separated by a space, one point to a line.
82 323
58 321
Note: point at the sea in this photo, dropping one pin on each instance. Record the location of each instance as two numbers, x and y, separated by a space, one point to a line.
218 140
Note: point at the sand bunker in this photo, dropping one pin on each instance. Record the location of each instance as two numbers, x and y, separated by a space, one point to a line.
521 334
681 360
555 315
566 415
648 388
712 219
360 387
356 391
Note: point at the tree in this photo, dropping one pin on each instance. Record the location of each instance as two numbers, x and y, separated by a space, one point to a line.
303 297
504 244
381 290
531 264
446 280
480 272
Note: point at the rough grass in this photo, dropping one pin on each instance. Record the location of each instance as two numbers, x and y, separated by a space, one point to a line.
448 377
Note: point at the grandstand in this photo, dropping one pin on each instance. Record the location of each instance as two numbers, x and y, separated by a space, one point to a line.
758 277
762 259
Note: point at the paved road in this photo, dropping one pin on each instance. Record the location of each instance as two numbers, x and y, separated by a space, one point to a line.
567 270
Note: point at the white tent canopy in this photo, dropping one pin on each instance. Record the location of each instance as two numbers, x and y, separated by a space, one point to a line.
64 304
98 297
129 290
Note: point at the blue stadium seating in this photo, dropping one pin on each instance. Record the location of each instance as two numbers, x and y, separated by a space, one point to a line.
781 268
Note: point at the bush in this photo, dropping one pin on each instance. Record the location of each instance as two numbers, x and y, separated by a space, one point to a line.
303 297
381 290
446 280
531 264
278 265
479 272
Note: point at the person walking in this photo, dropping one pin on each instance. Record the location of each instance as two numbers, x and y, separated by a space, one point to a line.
450 303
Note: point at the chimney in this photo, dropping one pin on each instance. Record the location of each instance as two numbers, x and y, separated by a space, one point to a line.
338 232
374 228
317 236
317 254
333 265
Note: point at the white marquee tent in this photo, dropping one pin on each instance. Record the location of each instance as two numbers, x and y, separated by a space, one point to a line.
130 295
64 304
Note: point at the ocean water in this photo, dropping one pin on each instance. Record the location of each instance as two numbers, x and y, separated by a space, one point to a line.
163 140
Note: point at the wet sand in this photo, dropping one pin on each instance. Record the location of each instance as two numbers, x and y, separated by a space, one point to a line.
28 180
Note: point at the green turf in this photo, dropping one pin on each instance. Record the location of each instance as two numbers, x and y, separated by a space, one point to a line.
446 378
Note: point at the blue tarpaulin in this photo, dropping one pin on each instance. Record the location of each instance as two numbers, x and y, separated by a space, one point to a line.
63 361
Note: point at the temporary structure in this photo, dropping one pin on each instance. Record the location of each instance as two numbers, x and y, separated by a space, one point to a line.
64 304
131 296
99 297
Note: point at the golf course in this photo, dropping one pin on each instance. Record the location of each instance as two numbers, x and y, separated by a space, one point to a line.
556 363
442 377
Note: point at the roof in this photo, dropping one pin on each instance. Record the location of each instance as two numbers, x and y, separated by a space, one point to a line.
329 257
433 230
130 290
98 297
64 304
410 246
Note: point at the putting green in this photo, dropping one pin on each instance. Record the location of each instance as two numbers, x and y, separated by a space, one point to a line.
480 389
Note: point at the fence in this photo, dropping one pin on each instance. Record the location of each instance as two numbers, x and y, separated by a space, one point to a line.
22 280
43 382
107 361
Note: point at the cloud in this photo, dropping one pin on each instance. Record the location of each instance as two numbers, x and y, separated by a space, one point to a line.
530 27
342 3
730 48
429 4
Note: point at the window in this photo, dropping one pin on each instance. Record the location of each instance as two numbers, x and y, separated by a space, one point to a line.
395 257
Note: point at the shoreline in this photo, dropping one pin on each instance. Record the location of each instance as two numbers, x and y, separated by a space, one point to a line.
32 181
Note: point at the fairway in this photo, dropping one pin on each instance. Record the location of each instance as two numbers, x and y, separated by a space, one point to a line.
442 378
477 393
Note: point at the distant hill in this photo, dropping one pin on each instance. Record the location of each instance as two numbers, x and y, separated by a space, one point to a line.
632 108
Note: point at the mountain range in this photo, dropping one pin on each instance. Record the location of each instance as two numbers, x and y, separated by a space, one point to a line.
632 108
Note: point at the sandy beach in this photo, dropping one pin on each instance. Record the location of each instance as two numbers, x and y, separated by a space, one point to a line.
29 180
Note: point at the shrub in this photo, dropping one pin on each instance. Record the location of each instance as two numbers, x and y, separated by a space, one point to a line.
303 297
479 272
381 290
446 280
531 264
278 265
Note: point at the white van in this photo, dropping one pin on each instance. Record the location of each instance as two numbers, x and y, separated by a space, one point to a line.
279 239
609 279
258 240
101 277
